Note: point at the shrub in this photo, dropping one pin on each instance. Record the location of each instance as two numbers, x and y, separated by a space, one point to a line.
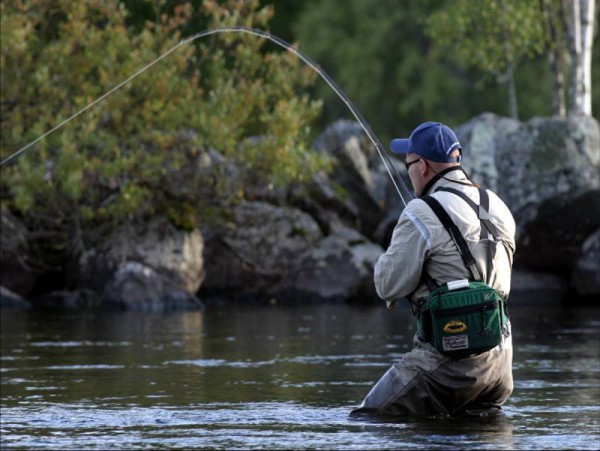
165 142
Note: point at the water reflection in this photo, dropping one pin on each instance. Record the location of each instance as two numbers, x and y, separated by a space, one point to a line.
274 377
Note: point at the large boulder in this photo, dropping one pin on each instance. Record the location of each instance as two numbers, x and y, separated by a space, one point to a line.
154 257
482 141
546 158
529 162
138 287
339 268
256 248
324 202
355 170
16 273
280 254
553 239
535 160
536 288
547 171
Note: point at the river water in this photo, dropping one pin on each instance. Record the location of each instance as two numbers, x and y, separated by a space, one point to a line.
274 377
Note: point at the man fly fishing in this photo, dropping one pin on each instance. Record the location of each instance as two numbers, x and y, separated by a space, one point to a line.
451 255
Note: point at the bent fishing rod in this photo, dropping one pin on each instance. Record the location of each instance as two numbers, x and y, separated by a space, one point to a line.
401 188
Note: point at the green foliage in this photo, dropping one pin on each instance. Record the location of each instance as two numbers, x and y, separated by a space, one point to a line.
489 33
382 59
406 61
145 149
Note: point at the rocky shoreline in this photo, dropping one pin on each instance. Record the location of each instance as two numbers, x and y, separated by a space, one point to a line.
320 244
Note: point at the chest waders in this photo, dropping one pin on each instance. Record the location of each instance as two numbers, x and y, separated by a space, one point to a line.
464 317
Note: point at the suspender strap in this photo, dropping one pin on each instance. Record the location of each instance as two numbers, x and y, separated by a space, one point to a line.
481 210
456 236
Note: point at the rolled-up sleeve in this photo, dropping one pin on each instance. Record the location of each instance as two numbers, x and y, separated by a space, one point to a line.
398 271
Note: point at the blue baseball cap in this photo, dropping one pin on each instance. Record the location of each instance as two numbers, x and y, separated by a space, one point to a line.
431 140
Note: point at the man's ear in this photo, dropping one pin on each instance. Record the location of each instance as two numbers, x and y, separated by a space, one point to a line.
424 167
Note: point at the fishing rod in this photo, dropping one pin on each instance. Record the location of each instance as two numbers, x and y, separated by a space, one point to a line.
404 193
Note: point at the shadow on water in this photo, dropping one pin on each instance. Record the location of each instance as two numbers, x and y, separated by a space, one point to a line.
274 377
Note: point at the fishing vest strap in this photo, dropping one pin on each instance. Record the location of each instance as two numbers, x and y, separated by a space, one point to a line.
487 226
456 236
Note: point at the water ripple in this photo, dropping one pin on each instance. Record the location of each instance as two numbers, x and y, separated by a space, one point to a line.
72 344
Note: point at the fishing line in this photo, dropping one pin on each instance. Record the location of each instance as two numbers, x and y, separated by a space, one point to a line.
404 193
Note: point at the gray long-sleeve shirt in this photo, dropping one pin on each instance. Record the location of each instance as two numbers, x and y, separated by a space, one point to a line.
420 242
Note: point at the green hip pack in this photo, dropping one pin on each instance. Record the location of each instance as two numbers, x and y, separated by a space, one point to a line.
462 318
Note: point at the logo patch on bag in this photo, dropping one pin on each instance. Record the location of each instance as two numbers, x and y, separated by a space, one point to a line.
455 343
455 327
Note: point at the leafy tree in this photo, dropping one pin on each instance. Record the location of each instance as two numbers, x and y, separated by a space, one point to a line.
145 150
492 35
495 35
380 56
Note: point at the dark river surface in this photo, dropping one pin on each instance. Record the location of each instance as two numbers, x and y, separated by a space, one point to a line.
276 377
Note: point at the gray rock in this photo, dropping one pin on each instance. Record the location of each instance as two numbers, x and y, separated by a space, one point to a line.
586 275
256 248
205 170
10 300
536 288
338 269
547 170
270 238
174 253
548 158
355 168
528 163
481 139
138 287
552 241
324 202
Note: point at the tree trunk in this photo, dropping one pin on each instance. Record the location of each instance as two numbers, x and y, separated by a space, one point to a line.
556 58
587 36
572 26
558 83
513 106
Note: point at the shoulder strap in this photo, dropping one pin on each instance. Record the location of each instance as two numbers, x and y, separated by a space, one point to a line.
487 226
456 236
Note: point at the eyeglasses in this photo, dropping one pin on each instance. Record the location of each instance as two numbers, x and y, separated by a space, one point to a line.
407 164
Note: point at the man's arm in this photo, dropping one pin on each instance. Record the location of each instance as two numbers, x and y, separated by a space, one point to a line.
398 271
